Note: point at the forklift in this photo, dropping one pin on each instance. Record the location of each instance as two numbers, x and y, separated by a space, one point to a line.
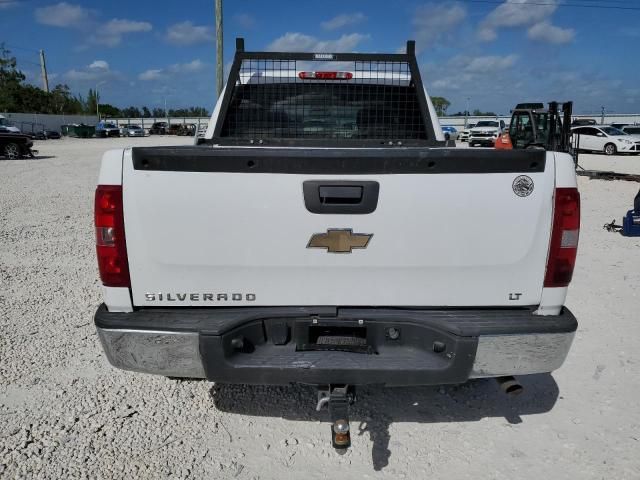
534 127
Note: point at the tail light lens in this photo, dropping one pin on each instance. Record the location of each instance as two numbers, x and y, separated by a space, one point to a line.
110 239
564 238
325 75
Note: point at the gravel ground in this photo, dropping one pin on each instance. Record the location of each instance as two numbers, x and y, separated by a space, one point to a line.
66 413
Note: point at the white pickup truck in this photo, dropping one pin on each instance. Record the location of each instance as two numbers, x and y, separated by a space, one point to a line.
486 132
322 233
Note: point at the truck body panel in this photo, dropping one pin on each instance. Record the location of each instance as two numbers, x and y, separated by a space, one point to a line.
438 239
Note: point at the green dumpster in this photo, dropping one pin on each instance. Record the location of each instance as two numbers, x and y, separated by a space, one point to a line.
79 130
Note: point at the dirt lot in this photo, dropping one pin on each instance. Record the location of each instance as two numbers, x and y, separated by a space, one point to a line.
65 413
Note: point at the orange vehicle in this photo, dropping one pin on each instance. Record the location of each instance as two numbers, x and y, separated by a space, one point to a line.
503 142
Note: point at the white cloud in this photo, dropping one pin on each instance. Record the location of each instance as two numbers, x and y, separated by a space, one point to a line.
81 75
299 42
546 32
515 13
193 66
99 65
186 33
119 26
244 20
110 34
433 21
343 20
629 31
96 71
462 74
63 14
490 63
152 74
7 4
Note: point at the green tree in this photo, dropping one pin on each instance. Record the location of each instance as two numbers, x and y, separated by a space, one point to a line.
480 113
31 99
62 101
90 106
108 110
131 112
10 81
198 112
440 104
145 112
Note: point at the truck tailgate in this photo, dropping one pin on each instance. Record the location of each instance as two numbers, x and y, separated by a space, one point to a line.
230 226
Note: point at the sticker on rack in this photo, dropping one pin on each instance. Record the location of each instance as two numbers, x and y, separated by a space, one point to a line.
523 186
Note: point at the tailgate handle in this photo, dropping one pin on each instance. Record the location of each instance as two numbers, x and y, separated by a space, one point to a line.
340 196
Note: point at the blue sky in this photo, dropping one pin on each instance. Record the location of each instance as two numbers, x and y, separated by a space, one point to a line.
493 53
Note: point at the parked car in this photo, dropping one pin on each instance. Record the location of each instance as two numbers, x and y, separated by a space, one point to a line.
15 145
618 125
39 135
8 126
631 129
174 129
158 128
52 134
464 133
187 129
133 131
579 122
450 133
107 129
273 257
486 132
605 139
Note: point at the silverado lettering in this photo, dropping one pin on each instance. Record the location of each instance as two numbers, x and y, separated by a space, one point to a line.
197 297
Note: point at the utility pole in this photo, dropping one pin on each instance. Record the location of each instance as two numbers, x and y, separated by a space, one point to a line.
43 68
97 95
602 117
466 114
219 60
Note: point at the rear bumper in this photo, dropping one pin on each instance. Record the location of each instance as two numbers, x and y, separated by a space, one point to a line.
282 345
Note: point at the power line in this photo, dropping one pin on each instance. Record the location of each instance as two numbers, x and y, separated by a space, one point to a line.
20 61
553 4
15 47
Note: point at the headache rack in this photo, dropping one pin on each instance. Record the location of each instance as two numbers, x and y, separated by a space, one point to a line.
324 99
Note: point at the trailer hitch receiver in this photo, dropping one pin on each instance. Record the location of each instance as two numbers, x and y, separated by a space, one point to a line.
338 398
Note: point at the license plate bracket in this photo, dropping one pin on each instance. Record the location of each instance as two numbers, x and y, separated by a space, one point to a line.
343 336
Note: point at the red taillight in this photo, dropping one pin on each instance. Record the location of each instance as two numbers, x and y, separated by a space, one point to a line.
564 238
325 75
110 240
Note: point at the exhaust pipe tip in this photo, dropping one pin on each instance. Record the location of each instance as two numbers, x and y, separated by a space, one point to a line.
510 386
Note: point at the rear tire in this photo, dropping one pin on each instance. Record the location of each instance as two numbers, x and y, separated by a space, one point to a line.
610 149
12 151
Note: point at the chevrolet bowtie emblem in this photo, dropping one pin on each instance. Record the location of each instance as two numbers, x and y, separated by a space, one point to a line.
339 241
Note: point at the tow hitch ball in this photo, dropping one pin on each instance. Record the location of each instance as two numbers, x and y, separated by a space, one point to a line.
338 398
